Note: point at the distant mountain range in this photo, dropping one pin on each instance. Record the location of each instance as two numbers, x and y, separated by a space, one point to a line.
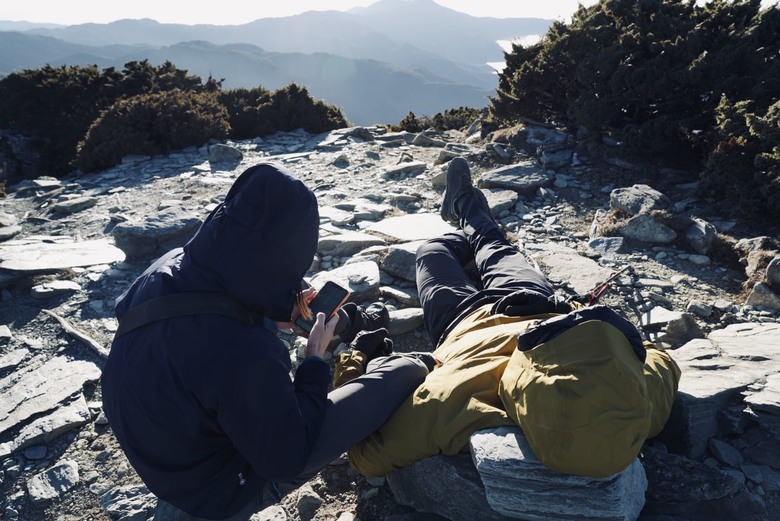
377 63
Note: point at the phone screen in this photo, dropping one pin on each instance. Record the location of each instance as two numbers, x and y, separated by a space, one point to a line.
327 300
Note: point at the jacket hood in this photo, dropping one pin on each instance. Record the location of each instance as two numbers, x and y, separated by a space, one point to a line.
259 242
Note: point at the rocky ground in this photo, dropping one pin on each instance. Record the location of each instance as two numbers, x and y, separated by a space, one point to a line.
58 458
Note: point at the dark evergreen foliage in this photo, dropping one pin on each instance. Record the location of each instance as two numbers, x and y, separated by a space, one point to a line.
653 73
150 124
450 119
86 117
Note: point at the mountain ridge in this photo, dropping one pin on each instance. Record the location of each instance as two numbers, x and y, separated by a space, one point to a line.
413 40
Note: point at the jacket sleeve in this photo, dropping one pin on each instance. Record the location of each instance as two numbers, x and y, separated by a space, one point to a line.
663 377
273 421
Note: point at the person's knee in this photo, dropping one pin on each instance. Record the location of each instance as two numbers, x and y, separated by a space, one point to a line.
403 370
431 245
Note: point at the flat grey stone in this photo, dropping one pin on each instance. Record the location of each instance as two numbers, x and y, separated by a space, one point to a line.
360 278
6 232
74 205
448 486
645 228
700 235
525 178
563 264
31 393
773 273
518 485
606 246
500 200
346 244
224 153
686 489
660 316
764 400
12 359
128 502
556 158
764 475
400 260
35 256
158 233
763 296
336 216
421 140
50 427
7 219
716 371
638 199
406 296
404 320
411 227
54 288
403 170
725 453
272 513
53 482
364 209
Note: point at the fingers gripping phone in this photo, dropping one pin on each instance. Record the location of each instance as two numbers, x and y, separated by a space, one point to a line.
328 299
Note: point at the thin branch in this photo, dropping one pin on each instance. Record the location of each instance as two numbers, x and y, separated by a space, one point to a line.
93 344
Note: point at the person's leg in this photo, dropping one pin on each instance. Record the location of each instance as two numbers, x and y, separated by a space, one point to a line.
499 264
359 407
442 281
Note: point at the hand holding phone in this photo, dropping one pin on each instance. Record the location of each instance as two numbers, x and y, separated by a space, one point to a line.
327 300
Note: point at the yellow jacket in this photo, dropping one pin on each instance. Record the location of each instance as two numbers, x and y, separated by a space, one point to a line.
465 394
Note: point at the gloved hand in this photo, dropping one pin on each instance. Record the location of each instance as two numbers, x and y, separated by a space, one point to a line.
527 302
373 343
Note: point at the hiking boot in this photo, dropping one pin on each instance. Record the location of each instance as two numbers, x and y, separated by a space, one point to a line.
458 185
374 317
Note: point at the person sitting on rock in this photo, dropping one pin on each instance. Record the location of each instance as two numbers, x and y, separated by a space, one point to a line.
581 383
202 402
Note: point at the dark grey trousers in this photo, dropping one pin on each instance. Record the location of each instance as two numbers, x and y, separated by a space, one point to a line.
449 291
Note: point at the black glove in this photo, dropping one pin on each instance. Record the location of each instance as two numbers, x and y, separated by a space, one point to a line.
527 302
373 343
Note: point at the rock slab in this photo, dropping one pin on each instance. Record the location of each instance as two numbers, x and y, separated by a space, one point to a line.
35 256
27 394
519 486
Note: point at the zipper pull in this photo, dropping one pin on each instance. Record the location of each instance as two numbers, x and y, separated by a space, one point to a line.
241 480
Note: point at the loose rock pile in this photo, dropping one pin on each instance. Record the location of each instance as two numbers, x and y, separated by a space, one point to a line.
700 284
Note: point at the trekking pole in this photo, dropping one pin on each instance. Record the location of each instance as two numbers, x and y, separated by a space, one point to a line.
592 297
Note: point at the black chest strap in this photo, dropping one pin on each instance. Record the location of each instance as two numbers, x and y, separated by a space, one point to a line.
181 304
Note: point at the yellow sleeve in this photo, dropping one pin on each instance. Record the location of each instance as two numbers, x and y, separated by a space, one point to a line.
349 365
663 377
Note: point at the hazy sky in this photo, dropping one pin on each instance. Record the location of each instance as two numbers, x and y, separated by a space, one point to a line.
228 12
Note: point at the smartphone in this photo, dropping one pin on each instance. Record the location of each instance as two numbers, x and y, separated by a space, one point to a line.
328 300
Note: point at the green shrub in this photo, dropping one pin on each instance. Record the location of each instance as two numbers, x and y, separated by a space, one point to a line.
85 117
260 112
450 119
242 106
744 168
56 105
410 123
652 73
151 124
292 107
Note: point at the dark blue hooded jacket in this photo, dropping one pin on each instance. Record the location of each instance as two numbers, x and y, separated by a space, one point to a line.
203 405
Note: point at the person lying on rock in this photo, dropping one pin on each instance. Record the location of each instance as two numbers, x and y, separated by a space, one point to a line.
583 386
201 401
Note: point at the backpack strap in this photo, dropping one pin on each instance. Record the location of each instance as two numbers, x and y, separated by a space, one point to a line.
181 304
